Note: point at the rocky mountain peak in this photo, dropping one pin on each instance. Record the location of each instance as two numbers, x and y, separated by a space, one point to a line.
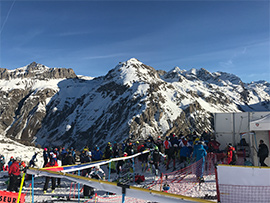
37 71
132 71
173 75
219 78
228 77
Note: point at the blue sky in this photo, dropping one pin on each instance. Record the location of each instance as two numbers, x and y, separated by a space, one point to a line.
93 36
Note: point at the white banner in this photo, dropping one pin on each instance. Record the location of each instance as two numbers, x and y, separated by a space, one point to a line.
243 175
72 168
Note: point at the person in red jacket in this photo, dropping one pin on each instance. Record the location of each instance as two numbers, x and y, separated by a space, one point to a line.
51 163
14 174
231 155
213 146
168 151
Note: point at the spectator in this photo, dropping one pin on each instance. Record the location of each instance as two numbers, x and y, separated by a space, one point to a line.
199 153
52 163
10 161
159 143
108 153
168 151
14 174
231 154
83 157
205 136
175 149
263 153
33 161
97 154
184 150
115 150
69 159
73 152
46 157
144 158
213 146
129 149
156 157
2 162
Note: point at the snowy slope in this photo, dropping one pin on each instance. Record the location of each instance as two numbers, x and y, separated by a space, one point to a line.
10 148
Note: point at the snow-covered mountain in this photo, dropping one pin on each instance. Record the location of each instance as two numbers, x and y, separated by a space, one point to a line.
53 106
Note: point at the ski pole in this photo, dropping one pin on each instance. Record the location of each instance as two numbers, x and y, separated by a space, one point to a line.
33 179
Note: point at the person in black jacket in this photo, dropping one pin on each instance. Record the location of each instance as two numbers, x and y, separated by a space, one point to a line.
69 159
156 158
263 152
46 157
108 153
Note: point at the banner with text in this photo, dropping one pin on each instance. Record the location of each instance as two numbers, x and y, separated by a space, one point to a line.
11 197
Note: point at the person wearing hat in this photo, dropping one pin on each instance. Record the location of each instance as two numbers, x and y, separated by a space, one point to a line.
159 143
33 161
51 163
97 154
168 151
14 175
263 153
213 145
108 153
46 156
129 149
231 154
10 161
2 162
69 159
96 173
155 157
184 150
199 153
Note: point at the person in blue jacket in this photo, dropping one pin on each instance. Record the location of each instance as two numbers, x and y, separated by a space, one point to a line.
97 154
184 151
199 153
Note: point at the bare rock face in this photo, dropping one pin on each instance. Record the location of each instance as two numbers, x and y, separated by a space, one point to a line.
37 71
23 108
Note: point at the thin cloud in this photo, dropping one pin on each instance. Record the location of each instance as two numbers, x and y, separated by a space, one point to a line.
74 33
103 56
227 64
3 25
230 62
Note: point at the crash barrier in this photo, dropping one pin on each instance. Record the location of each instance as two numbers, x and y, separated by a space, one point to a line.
247 184
113 198
117 188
